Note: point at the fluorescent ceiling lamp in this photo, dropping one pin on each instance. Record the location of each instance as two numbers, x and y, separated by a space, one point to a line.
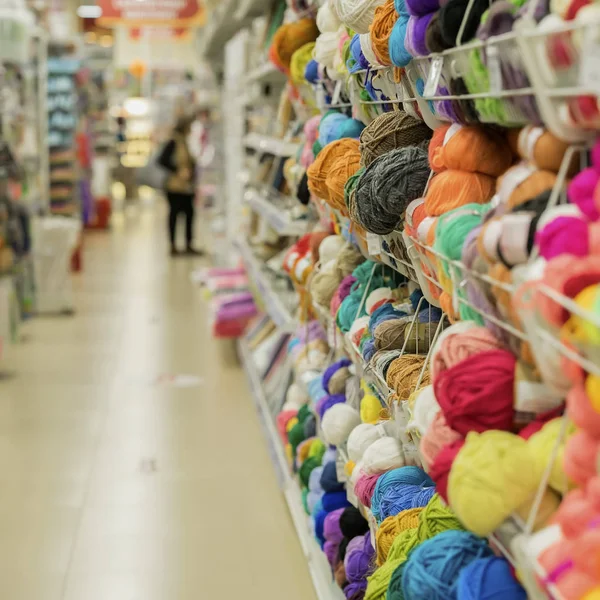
89 11
136 107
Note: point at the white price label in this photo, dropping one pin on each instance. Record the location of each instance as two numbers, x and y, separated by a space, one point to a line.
433 79
589 72
373 244
320 97
494 69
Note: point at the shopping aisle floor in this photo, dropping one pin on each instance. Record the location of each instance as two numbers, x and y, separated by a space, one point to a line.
116 487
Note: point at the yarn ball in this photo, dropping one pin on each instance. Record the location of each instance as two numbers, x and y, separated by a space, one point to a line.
433 568
338 422
383 455
477 393
329 481
452 189
490 578
362 436
440 469
365 488
333 500
394 591
389 131
331 371
424 409
330 247
328 402
380 30
436 438
390 183
370 409
291 37
493 474
356 14
352 523
391 527
451 16
331 526
359 558
435 518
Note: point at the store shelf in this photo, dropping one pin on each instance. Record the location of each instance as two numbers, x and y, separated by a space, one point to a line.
268 297
271 145
278 218
320 572
266 73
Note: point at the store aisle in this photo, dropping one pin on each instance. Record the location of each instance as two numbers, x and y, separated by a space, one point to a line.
116 487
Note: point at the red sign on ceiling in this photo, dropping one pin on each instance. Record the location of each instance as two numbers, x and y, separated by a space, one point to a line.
165 13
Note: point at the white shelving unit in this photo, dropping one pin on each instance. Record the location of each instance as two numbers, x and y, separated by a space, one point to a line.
319 568
273 304
279 219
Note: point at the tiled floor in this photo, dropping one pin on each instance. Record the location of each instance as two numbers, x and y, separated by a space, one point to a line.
114 487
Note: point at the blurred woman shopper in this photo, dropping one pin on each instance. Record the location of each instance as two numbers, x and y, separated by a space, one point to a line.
177 159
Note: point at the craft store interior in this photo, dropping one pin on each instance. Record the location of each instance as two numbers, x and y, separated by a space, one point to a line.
374 374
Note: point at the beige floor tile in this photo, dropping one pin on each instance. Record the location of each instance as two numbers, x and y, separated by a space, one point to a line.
114 486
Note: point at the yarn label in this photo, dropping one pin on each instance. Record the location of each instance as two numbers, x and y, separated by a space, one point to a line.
589 72
373 244
337 92
494 71
433 78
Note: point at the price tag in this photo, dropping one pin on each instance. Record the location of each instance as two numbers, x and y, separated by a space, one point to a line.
373 244
589 72
494 70
434 77
337 92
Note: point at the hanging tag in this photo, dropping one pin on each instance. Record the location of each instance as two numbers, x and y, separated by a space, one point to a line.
373 244
494 70
589 72
434 77
337 92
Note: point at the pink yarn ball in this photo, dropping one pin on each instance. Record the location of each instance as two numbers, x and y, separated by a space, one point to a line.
311 130
581 192
365 487
307 157
563 235
581 454
582 412
437 436
575 513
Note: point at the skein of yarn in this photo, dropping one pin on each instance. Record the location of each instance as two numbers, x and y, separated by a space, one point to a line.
383 455
380 30
356 14
390 183
338 422
389 131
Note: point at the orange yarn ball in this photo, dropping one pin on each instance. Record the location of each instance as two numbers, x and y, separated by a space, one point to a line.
435 149
452 189
317 172
289 38
380 30
339 173
533 185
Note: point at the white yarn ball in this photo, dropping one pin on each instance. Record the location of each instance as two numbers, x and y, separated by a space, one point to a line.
367 49
338 422
362 436
458 328
377 296
329 248
356 474
383 455
296 395
424 411
327 19
356 14
325 48
359 324
315 359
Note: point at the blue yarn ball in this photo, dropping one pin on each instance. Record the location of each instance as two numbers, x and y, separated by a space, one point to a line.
313 501
385 312
489 579
330 455
329 481
351 128
422 497
314 480
358 60
311 73
319 519
315 389
368 349
396 490
318 506
334 500
399 55
433 568
329 126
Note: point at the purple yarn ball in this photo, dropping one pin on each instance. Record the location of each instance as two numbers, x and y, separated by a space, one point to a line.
421 8
345 287
415 35
331 552
359 559
355 591
331 527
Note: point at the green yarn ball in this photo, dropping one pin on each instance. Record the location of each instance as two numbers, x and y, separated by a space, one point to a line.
296 436
435 518
394 591
308 466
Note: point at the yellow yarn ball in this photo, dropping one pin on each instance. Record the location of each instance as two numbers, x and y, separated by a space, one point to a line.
300 59
548 506
581 329
593 594
289 453
494 474
391 527
370 407
403 544
541 445
592 389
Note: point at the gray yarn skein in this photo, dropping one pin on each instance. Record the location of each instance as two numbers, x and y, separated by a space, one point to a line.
389 184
